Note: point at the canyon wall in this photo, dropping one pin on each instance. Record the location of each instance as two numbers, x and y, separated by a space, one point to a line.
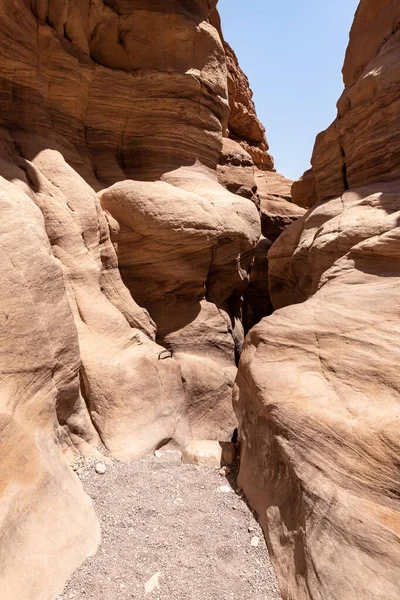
124 259
317 393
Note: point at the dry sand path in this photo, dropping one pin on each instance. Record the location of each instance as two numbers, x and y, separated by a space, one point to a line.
171 532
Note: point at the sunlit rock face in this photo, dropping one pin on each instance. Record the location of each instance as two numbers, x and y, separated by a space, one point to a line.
361 145
317 394
138 87
124 260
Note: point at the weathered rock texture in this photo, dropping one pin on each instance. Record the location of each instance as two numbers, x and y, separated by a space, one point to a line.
243 125
245 168
277 208
122 102
318 388
356 150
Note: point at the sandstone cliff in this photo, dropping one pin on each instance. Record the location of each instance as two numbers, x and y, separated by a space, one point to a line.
124 261
133 174
317 394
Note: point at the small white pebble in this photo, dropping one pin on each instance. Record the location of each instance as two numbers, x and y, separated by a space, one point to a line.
158 454
152 583
226 489
100 468
255 541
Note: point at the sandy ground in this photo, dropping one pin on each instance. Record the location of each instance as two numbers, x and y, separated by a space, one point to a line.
171 532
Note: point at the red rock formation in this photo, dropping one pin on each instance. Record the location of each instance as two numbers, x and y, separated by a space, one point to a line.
318 388
277 208
355 150
243 126
236 171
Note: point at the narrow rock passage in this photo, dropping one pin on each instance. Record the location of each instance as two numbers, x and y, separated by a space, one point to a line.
172 532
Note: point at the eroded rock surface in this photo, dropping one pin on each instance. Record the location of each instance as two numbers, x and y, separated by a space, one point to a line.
185 248
317 392
123 102
244 125
277 208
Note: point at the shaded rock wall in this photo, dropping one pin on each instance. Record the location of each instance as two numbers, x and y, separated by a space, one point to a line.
317 394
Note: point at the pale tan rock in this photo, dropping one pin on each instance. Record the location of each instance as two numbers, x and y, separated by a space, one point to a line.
78 233
191 221
39 494
225 489
153 583
209 453
224 472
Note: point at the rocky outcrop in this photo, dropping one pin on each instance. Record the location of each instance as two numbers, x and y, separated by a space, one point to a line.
355 150
124 260
243 125
236 171
185 246
45 514
317 393
277 208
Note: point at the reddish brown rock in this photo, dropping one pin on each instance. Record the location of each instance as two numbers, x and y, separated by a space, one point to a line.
277 208
318 386
243 124
236 171
356 150
303 191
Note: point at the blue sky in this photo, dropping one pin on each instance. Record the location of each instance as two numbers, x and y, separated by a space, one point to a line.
292 52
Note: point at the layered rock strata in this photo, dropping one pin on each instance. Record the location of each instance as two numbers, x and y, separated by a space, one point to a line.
110 135
243 125
317 393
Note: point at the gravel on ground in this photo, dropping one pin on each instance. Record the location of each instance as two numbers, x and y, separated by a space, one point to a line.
171 532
